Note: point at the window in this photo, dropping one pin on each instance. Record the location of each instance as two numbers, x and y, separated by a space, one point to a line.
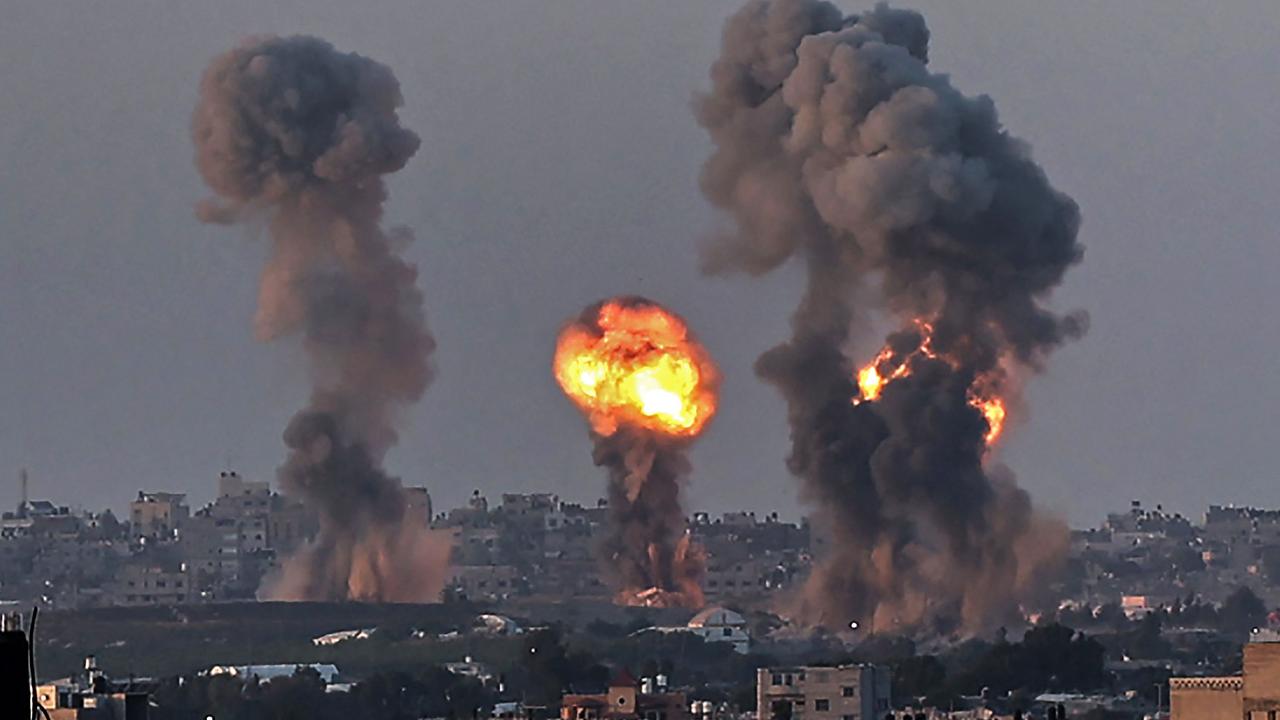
822 705
847 717
727 632
776 680
846 691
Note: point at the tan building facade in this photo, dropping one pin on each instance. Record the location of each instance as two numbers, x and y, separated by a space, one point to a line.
845 692
1255 695
1206 698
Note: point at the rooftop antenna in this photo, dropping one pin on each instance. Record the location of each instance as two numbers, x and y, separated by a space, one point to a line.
22 476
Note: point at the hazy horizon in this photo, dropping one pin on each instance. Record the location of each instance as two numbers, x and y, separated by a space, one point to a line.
559 165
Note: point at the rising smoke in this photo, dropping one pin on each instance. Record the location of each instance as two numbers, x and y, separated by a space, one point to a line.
645 546
836 145
291 132
648 388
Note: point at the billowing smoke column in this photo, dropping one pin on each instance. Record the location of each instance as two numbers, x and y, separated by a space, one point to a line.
835 144
294 133
648 389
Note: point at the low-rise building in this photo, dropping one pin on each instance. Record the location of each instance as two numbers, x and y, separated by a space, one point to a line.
626 701
94 696
844 692
718 624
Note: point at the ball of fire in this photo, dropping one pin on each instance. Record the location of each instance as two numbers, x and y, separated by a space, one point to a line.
629 361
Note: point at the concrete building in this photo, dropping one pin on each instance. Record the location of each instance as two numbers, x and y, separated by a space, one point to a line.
714 625
717 624
845 692
94 696
1253 695
1207 698
156 516
151 582
418 504
484 581
626 701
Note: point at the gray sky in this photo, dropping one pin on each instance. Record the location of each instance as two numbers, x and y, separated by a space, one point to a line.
558 166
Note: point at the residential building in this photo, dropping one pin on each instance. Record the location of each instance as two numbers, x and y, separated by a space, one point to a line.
625 700
1252 695
722 625
94 696
844 692
156 516
146 581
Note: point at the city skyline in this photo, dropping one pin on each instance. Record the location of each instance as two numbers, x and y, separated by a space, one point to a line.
563 169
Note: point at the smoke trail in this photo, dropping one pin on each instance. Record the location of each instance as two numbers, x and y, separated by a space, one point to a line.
294 132
648 388
645 544
835 144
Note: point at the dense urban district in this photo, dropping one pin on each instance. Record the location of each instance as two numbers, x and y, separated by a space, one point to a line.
165 600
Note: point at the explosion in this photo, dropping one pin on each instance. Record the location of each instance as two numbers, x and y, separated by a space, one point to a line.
983 394
638 366
648 389
838 149
290 131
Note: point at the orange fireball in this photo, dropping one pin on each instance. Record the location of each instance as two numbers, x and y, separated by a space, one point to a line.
983 394
632 362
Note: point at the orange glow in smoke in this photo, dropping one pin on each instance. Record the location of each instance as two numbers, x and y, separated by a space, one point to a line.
640 367
983 393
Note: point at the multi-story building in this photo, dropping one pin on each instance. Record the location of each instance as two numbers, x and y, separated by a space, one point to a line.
151 581
230 543
418 504
485 581
1252 695
156 516
844 692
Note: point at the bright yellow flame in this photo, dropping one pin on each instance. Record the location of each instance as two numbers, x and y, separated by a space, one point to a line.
638 366
993 410
982 395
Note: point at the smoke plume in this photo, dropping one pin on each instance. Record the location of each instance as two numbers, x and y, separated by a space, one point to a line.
648 388
836 145
645 547
291 132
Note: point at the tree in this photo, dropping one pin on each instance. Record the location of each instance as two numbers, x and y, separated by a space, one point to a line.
1242 611
918 676
1051 657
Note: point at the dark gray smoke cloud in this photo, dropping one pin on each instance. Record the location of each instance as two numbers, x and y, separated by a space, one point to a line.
836 145
294 133
645 543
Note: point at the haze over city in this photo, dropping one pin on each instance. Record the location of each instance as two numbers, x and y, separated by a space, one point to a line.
602 360
559 164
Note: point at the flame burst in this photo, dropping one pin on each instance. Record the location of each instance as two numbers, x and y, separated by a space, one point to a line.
984 393
635 363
